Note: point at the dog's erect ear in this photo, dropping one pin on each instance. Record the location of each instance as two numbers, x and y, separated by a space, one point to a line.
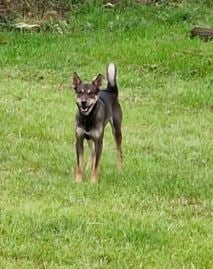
76 80
98 81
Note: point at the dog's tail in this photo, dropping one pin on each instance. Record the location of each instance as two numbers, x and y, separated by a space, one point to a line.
111 78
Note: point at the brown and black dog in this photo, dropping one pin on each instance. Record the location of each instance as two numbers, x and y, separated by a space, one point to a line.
96 108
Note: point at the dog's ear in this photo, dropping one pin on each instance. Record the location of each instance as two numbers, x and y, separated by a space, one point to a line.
76 80
97 81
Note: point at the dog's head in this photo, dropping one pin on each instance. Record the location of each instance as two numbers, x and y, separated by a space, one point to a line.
86 93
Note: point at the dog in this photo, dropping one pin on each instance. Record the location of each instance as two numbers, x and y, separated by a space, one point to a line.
96 108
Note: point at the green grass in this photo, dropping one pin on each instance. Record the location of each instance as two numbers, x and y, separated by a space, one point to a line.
157 212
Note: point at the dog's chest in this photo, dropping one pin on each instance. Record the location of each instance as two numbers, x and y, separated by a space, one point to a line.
92 133
89 129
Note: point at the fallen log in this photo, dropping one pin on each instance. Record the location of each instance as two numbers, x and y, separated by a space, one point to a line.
204 33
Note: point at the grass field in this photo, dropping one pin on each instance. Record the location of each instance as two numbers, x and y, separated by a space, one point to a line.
158 211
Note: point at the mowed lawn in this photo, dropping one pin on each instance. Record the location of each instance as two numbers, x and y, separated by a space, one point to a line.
158 211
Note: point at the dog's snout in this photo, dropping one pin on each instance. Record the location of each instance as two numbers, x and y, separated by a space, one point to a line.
83 103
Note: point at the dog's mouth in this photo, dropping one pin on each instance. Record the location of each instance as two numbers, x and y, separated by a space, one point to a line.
86 109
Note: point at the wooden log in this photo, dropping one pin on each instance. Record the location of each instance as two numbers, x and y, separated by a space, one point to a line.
202 32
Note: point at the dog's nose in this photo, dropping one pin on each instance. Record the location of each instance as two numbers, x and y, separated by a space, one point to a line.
83 103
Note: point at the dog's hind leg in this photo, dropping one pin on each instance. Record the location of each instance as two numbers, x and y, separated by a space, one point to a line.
118 140
116 130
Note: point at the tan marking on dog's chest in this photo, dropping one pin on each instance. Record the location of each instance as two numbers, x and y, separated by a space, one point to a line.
80 131
93 133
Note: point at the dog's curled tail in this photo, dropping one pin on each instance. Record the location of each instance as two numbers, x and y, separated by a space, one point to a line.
111 78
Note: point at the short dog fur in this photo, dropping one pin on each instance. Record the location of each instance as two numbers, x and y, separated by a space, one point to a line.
96 108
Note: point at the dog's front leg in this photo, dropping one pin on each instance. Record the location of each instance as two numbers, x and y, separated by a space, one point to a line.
90 162
79 152
98 151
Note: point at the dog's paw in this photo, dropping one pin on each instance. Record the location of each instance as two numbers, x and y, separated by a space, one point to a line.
94 177
78 176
